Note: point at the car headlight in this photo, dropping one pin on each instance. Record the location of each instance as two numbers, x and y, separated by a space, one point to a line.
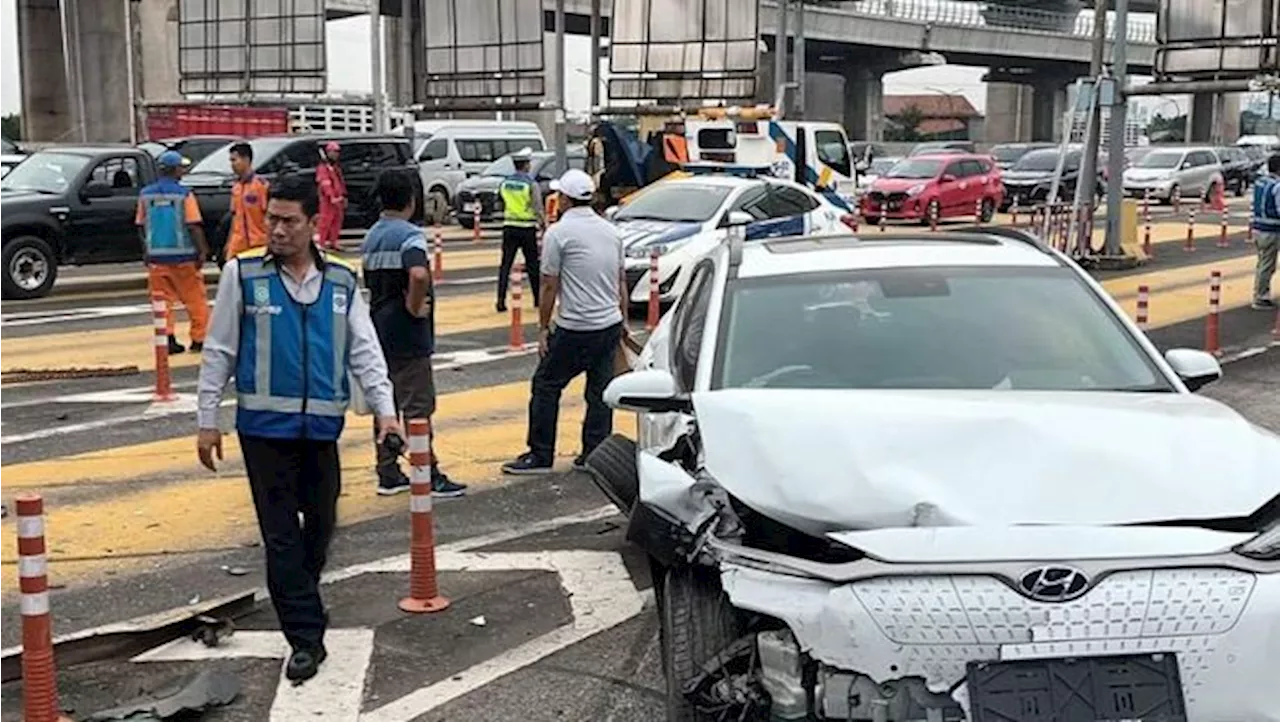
1265 546
916 189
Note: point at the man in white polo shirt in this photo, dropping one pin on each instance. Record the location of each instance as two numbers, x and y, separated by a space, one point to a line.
584 290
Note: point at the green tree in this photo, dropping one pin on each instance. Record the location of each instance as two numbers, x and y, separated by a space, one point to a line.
11 126
905 126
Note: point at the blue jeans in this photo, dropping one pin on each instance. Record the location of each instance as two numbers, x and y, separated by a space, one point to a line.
570 353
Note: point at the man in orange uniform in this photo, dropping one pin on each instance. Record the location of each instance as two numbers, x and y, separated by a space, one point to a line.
173 237
248 204
333 197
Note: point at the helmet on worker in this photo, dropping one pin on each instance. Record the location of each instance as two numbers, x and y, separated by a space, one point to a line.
522 158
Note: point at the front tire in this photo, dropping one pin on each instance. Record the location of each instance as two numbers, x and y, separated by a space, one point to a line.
612 466
932 211
988 210
697 623
30 268
437 208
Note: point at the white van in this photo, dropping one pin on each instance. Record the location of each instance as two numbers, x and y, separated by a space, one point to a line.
813 154
449 151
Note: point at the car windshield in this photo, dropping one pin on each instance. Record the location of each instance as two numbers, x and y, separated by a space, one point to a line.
219 162
419 140
1009 153
1038 161
916 168
1160 159
690 202
46 172
1031 329
153 148
882 165
503 166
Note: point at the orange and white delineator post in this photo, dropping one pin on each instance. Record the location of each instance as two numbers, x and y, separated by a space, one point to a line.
1189 245
438 261
39 673
1147 248
475 224
516 341
1142 317
164 384
424 588
651 319
1223 242
1212 322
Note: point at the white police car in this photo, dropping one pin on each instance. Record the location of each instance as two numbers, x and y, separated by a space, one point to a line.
686 217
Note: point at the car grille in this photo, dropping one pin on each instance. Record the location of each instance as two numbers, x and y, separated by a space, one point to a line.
635 274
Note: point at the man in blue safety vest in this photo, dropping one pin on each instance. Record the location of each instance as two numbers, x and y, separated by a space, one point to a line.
1266 226
522 216
289 323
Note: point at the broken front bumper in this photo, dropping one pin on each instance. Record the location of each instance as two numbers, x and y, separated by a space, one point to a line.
895 622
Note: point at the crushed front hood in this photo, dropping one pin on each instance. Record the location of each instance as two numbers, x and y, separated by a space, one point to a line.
822 460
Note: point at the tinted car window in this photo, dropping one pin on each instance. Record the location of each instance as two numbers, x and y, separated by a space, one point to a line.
120 173
475 151
783 201
833 151
690 325
378 155
752 201
302 155
956 169
970 168
436 149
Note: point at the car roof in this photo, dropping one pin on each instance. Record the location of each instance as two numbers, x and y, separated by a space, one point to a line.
92 149
729 181
846 252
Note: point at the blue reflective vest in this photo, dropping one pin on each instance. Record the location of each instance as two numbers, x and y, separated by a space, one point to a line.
291 372
1266 205
165 232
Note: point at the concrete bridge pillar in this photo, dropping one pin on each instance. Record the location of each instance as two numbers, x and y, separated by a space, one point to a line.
1215 118
1009 112
1048 103
46 112
864 103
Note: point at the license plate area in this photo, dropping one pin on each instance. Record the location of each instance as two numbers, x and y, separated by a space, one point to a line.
1121 688
471 207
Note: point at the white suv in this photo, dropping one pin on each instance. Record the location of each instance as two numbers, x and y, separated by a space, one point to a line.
942 477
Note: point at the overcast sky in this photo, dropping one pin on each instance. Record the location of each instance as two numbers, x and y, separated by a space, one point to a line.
349 67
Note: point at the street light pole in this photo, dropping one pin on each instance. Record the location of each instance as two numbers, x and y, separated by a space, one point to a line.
799 64
595 55
1119 124
375 57
780 59
1089 163
561 81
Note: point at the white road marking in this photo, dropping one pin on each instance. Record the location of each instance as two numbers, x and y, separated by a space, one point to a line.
335 693
186 403
600 594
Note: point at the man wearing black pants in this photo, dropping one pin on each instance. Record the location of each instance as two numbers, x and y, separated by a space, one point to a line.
298 315
522 216
585 289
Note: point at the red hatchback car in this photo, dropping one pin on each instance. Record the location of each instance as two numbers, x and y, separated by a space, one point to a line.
945 185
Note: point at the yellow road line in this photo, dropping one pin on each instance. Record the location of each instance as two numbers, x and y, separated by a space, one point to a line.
131 345
1126 287
190 511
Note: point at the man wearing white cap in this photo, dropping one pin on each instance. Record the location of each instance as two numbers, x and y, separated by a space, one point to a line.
584 290
522 216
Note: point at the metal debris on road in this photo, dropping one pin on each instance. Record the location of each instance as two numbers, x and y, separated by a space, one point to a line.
212 630
478 621
207 688
18 376
235 571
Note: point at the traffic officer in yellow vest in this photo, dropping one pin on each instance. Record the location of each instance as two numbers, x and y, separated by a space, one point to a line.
522 216
289 323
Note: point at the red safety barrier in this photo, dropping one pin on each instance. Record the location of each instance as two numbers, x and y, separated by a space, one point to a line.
1189 245
651 320
438 269
39 674
1212 322
857 217
160 339
517 298
424 589
933 217
977 212
475 225
1144 299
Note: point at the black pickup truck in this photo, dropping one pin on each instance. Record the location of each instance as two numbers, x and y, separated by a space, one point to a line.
69 205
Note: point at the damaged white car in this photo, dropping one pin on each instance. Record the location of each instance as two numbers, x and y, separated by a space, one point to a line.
942 478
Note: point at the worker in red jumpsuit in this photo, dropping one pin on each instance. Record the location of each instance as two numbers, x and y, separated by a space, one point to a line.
333 198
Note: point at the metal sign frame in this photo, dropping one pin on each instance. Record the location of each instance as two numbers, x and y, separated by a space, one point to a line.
664 50
1217 38
248 48
499 62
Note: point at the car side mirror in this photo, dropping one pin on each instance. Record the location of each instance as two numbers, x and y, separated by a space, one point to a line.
649 390
737 218
948 178
610 212
96 189
1196 368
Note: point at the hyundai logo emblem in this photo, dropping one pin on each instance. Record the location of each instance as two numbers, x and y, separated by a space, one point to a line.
1054 583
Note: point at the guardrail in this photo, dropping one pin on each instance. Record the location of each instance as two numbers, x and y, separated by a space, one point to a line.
1000 17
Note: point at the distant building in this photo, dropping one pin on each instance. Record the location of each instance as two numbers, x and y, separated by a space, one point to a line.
943 117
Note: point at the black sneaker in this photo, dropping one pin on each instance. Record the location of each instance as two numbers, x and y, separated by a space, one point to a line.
197 346
175 347
1264 304
580 463
442 487
304 663
501 306
390 487
526 464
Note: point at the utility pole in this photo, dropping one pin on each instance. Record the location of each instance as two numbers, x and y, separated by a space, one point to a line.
595 55
799 64
375 48
780 59
1089 163
561 73
1119 126
404 77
